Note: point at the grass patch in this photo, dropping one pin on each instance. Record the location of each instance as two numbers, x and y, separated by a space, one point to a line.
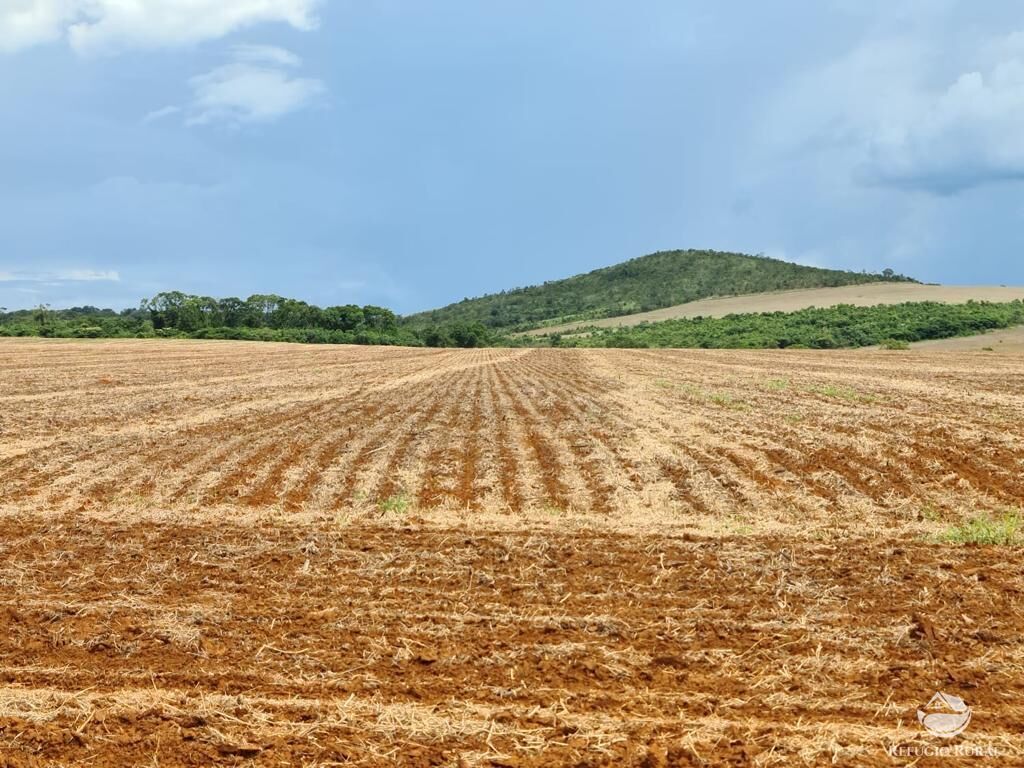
739 525
1004 530
843 393
723 399
728 401
691 391
833 390
398 504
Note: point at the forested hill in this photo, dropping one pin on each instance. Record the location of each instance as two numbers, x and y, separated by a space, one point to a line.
661 279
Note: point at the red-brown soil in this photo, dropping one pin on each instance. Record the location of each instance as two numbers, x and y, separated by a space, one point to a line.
274 555
173 644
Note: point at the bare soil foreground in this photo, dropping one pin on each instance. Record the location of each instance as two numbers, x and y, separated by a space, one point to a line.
272 555
866 295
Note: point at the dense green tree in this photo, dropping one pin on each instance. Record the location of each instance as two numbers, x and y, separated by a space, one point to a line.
379 318
345 318
233 312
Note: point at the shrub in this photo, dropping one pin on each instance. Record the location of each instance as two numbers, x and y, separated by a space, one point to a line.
88 332
895 344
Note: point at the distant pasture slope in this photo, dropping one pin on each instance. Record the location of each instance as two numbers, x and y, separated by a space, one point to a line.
1003 340
866 295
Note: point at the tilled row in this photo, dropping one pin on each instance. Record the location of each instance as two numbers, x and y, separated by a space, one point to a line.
707 439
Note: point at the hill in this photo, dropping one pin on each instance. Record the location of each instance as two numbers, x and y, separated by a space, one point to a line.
659 280
868 295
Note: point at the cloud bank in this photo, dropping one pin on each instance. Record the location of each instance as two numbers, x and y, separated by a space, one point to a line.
891 111
968 135
104 26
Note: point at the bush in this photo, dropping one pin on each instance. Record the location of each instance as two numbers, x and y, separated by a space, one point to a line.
895 344
88 332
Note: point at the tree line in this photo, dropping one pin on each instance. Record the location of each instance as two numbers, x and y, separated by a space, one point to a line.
261 317
842 326
274 318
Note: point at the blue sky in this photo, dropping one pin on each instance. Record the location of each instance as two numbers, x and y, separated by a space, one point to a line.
410 154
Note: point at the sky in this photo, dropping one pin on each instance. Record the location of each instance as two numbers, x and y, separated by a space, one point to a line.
410 154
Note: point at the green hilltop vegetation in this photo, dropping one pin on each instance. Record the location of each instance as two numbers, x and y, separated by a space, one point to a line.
658 280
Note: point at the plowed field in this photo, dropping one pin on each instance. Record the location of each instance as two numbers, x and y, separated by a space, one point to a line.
227 553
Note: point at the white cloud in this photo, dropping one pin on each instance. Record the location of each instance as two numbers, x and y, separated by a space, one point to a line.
254 87
102 26
24 23
160 114
67 275
265 54
88 275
